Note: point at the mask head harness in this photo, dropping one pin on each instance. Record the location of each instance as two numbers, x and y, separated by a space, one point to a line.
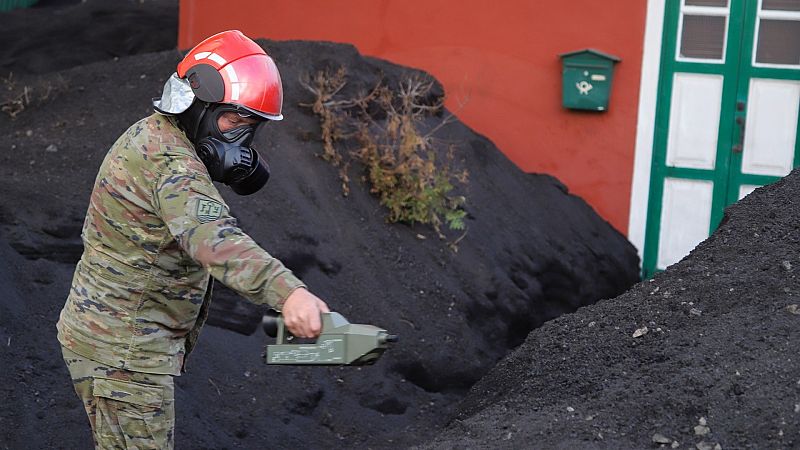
227 155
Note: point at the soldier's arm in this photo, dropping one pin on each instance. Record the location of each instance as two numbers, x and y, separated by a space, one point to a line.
199 219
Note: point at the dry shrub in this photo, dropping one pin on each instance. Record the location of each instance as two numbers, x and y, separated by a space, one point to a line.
16 99
399 158
325 85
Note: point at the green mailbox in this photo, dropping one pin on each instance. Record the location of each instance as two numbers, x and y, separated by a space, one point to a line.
586 79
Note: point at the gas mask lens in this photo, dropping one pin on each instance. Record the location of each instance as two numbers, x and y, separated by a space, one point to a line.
236 134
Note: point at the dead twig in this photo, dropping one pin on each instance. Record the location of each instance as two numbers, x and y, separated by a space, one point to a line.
454 245
215 387
17 104
408 322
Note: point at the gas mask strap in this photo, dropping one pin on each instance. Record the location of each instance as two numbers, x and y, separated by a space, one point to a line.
199 121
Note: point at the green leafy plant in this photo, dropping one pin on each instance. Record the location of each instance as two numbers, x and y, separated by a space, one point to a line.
397 152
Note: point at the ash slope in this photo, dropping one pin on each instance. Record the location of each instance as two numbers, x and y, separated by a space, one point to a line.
532 252
54 36
721 344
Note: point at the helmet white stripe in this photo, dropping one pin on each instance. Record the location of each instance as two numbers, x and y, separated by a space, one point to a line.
212 56
234 81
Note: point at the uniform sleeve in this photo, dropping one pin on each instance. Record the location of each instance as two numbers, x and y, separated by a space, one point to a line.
199 219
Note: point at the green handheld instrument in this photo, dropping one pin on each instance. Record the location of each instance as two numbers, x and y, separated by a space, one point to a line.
340 343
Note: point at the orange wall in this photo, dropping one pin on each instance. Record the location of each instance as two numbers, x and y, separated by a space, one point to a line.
499 56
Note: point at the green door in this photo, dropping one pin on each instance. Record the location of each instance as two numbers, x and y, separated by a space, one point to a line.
726 118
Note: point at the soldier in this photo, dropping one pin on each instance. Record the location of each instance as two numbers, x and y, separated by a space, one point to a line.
157 230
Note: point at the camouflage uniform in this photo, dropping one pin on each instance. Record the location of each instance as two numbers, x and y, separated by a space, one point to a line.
126 409
156 228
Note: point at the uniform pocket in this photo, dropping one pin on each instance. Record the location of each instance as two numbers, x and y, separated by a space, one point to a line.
145 395
130 415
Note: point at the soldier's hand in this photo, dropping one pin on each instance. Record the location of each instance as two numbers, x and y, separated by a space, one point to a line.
301 313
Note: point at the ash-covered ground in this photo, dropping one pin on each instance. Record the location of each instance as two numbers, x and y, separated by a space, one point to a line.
531 253
704 355
59 34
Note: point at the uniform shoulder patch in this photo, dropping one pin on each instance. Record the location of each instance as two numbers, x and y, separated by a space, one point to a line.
208 210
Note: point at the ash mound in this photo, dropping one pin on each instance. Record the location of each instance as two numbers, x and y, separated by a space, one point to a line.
705 353
531 253
59 34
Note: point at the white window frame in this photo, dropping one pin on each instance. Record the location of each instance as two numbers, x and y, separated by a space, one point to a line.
775 15
717 11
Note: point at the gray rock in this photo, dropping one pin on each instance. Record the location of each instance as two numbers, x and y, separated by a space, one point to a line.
702 429
659 438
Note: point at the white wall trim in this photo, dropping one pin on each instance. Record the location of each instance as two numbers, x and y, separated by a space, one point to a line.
648 96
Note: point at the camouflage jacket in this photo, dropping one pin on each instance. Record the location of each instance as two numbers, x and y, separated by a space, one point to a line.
155 230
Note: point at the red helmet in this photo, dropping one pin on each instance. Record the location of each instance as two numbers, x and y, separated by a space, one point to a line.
228 68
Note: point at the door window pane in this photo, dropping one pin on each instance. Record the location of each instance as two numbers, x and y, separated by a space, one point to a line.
719 3
703 37
778 42
782 5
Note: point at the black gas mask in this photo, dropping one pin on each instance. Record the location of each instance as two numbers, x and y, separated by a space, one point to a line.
227 155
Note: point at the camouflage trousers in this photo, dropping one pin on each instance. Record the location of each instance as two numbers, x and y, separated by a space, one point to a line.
127 410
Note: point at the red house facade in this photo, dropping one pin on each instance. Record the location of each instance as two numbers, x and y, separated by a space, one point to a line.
668 153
